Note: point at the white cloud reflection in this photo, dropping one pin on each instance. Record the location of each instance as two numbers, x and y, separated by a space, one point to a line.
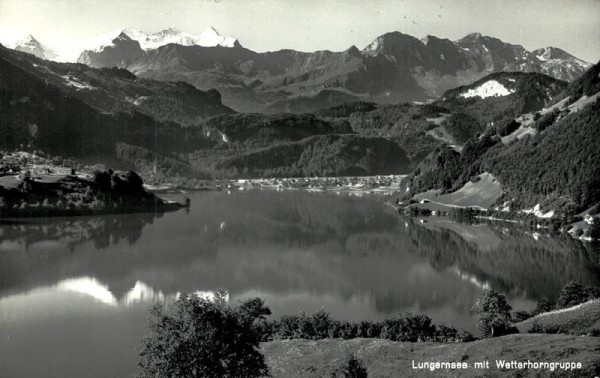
139 293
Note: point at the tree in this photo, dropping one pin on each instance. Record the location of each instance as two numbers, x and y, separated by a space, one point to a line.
195 337
135 181
493 314
572 294
102 180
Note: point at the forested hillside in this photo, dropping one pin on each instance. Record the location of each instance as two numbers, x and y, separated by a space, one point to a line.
110 116
554 163
513 94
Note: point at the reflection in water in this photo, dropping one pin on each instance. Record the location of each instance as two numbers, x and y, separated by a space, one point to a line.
89 286
485 286
139 293
297 251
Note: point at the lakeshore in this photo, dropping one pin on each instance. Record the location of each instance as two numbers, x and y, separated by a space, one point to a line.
31 186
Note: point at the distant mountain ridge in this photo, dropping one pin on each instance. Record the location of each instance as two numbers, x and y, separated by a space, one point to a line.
169 129
394 68
209 38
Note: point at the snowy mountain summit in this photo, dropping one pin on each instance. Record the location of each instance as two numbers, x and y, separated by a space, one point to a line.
31 45
118 47
209 38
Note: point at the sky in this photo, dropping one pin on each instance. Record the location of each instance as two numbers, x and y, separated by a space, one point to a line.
310 25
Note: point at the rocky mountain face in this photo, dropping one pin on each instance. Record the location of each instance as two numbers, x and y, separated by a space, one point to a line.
117 52
394 68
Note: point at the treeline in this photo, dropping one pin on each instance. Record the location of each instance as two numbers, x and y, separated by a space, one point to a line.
320 325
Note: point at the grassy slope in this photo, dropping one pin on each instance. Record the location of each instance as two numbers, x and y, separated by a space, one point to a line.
384 358
482 193
580 319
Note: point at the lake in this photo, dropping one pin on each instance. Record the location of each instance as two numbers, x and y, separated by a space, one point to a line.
75 293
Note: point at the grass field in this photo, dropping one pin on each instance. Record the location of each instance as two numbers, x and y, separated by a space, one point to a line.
481 194
384 358
578 320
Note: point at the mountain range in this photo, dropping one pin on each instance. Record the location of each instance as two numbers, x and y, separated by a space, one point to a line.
121 46
394 68
116 117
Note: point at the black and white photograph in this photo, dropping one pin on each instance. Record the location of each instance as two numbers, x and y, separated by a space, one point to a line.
299 188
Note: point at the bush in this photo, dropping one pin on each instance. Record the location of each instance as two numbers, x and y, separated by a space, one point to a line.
549 329
354 368
543 305
493 314
198 338
521 316
411 328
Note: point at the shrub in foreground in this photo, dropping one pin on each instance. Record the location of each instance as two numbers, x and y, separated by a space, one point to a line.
353 368
195 337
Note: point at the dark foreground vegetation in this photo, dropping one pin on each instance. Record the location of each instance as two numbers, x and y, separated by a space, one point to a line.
197 337
107 193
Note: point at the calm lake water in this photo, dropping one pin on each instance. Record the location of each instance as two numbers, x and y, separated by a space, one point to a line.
74 293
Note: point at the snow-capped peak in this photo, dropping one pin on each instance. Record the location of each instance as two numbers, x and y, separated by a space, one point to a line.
107 39
29 44
172 31
211 38
549 54
28 40
161 38
210 32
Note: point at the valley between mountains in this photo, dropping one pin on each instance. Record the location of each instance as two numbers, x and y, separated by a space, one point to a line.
179 107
